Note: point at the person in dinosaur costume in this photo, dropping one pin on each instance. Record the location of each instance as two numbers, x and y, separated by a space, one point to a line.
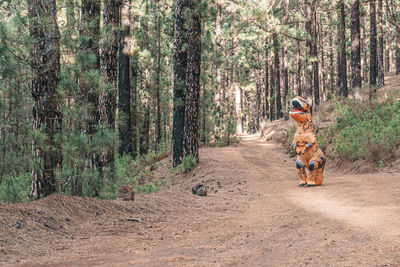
305 144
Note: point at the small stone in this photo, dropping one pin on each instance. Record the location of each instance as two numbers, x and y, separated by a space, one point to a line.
200 190
18 225
134 219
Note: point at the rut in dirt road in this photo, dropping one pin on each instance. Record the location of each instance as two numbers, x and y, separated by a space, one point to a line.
258 217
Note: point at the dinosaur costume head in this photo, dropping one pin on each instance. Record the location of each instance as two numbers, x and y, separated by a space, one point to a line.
301 110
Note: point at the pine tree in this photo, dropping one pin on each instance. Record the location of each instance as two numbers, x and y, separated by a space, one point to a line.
180 58
355 48
45 63
191 132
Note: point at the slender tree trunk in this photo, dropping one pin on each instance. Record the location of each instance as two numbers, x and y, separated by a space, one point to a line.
158 75
285 65
46 67
387 38
266 92
109 65
397 51
314 53
299 64
272 94
238 95
217 99
355 49
191 133
372 44
180 57
380 60
309 45
277 77
258 103
364 74
134 111
343 60
124 86
331 64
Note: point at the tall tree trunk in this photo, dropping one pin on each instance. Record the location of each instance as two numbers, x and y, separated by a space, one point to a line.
309 46
331 64
387 38
238 95
158 75
364 73
285 65
343 60
355 48
299 64
191 133
109 65
217 99
277 77
372 44
272 94
134 111
180 57
266 92
381 70
124 86
314 53
46 67
258 102
397 51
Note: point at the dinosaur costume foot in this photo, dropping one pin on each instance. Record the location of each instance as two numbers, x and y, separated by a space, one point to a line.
302 185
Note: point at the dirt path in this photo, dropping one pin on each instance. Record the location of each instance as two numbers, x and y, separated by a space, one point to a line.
258 217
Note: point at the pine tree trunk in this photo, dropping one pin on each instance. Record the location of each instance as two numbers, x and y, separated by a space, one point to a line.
191 133
158 75
180 57
285 65
272 94
387 38
134 111
109 66
355 49
299 64
314 53
381 70
373 53
217 99
277 77
309 46
266 92
124 87
343 60
45 53
397 51
363 47
238 95
331 64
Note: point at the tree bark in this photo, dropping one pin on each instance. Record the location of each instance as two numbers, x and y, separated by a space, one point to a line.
158 75
277 77
217 99
109 65
397 51
373 53
180 59
380 55
355 49
314 53
343 60
387 38
124 87
45 53
309 46
191 133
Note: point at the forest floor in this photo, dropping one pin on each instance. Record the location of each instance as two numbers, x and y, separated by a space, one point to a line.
255 216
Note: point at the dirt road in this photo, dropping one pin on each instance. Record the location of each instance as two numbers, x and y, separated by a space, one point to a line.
258 217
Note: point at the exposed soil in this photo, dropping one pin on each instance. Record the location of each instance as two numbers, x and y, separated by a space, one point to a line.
255 216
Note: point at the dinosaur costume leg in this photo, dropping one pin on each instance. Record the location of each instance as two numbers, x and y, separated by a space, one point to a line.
316 167
301 170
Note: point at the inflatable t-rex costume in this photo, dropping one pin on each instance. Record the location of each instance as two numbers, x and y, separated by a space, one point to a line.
305 144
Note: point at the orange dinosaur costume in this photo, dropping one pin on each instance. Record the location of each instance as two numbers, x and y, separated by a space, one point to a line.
305 144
